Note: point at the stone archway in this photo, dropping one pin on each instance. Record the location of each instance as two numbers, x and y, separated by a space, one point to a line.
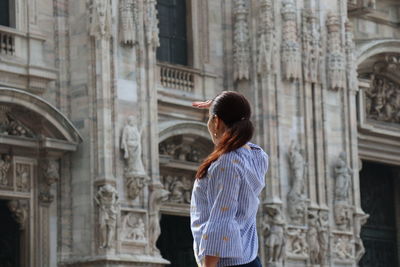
378 108
34 137
183 146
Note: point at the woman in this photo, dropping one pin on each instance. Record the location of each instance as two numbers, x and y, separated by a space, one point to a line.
225 194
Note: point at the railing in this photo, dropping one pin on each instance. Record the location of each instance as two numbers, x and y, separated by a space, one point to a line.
177 77
7 43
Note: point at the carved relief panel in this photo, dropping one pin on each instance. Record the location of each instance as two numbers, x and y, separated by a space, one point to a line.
133 233
16 173
382 99
180 157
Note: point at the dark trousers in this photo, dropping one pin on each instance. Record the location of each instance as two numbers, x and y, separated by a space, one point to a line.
255 263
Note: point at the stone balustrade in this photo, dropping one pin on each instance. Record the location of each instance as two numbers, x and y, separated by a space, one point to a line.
7 42
177 77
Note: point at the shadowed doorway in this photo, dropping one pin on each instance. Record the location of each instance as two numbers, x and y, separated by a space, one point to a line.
176 241
9 238
378 197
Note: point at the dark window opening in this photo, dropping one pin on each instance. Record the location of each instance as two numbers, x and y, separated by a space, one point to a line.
5 13
176 241
9 237
173 32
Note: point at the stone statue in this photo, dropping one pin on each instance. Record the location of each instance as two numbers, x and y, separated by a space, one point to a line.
311 47
157 196
51 172
312 237
323 237
5 163
296 199
151 24
100 18
275 240
19 211
23 177
131 144
343 176
107 200
359 221
50 175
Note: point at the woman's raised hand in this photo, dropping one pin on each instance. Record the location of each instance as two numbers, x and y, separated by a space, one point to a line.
202 104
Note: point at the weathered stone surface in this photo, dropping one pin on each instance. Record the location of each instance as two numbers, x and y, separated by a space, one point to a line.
100 139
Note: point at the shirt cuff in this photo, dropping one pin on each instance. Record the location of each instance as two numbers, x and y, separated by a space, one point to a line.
222 240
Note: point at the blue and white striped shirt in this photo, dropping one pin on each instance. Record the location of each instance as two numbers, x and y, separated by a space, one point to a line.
224 207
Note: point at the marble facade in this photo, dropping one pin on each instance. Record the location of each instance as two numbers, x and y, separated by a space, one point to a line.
98 138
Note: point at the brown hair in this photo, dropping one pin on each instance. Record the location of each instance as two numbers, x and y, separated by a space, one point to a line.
234 110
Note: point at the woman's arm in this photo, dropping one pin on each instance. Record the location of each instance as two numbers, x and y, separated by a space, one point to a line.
221 236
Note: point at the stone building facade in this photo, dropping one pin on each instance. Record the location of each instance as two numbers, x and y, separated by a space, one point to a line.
99 143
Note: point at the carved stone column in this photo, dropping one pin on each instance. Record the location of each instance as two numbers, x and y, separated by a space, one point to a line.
336 57
241 49
291 57
49 174
101 32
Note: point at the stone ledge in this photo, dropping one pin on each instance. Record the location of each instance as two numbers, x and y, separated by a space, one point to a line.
118 260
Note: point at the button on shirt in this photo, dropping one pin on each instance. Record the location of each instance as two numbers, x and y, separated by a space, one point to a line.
224 206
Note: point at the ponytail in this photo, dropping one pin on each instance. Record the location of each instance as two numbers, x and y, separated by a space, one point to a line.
236 136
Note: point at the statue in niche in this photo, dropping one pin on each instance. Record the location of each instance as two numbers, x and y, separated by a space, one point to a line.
132 147
19 209
274 227
323 237
127 11
100 18
311 47
158 195
312 237
359 221
296 198
50 175
131 144
51 172
133 228
5 163
107 200
343 176
23 177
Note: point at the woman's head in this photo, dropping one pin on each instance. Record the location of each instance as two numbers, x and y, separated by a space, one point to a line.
229 126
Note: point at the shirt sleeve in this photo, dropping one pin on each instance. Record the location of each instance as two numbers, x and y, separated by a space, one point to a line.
221 235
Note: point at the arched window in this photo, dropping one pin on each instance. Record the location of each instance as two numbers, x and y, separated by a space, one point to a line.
172 17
